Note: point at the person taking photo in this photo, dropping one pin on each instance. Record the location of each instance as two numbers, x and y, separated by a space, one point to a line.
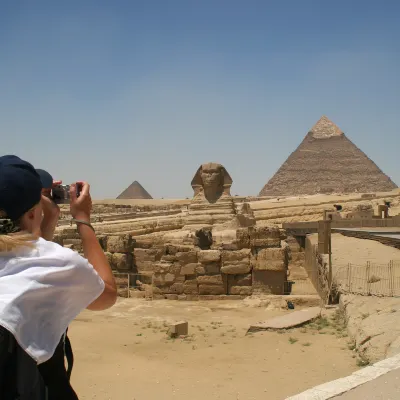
43 286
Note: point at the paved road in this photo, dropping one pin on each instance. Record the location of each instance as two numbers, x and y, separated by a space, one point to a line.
386 387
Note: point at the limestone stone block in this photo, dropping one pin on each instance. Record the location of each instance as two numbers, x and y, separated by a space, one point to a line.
177 248
200 269
271 260
187 257
235 269
242 280
265 236
211 289
243 238
178 329
145 259
121 261
119 243
188 297
168 258
210 280
212 268
189 269
171 296
269 282
190 287
175 288
162 267
163 279
241 290
236 255
143 242
209 256
236 262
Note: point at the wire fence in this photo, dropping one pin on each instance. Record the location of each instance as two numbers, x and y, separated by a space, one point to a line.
129 283
370 279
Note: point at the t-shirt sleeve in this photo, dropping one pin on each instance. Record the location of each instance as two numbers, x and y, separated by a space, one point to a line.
84 281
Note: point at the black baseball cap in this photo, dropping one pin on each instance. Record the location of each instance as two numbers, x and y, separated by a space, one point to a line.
46 178
20 186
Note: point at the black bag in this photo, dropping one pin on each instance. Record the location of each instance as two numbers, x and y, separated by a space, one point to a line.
19 374
22 379
55 375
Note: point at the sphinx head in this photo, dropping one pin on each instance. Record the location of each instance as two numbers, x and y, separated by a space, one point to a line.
213 179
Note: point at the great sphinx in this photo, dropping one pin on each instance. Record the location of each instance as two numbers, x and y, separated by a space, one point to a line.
212 203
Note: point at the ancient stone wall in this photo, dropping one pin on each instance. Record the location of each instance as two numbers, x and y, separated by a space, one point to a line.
317 267
255 262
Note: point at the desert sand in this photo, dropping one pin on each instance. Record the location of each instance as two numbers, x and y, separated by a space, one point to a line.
125 353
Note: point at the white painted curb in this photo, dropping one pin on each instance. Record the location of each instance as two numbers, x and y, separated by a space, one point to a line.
339 386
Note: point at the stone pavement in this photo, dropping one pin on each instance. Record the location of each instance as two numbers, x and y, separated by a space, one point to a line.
386 387
380 381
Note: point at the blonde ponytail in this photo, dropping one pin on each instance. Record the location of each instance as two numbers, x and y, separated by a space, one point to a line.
14 241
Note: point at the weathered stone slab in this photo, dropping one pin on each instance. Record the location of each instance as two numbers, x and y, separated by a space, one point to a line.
271 260
242 280
187 257
189 269
163 279
121 262
190 287
235 269
211 289
178 329
119 244
208 256
290 320
269 282
210 280
241 290
236 255
175 288
265 236
243 238
211 268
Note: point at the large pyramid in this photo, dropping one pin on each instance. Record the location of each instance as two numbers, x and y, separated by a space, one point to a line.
327 162
134 191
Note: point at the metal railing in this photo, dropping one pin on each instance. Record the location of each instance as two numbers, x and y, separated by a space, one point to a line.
369 279
130 282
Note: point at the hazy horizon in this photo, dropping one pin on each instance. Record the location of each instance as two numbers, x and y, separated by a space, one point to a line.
113 92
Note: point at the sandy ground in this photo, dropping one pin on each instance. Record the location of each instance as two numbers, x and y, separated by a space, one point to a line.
125 353
358 251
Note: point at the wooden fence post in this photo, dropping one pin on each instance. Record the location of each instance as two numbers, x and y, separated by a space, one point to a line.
391 278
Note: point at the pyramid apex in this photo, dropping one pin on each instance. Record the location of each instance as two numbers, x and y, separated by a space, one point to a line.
325 128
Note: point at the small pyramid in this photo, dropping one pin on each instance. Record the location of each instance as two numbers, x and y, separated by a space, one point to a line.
134 191
327 162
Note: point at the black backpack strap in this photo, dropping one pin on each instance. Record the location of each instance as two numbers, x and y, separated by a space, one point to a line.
69 355
55 375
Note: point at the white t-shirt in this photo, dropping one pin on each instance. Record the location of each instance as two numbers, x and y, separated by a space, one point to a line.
41 291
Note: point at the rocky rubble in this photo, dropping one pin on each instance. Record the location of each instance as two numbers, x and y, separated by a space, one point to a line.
374 325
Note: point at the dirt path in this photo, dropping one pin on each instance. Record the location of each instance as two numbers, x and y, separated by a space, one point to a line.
124 353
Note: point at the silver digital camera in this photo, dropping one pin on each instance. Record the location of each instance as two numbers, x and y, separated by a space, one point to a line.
60 193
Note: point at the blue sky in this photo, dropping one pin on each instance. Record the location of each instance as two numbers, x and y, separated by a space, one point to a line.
117 91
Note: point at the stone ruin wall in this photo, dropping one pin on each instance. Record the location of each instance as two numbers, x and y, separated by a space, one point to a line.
255 262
